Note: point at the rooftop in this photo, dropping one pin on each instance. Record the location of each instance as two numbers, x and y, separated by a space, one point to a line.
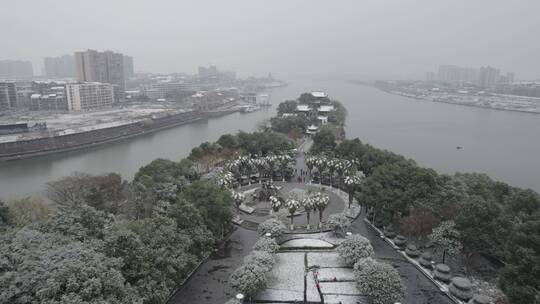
319 94
302 108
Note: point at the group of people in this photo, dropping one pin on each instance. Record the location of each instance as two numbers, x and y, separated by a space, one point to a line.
301 178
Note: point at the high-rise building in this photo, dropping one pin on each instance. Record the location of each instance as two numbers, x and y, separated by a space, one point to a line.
16 69
129 70
208 71
8 96
89 95
59 67
453 73
488 77
510 77
105 67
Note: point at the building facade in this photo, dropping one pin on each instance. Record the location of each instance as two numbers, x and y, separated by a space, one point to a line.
88 96
453 73
129 70
60 67
8 96
104 67
488 77
10 69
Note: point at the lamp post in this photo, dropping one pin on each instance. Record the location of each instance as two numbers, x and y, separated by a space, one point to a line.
240 297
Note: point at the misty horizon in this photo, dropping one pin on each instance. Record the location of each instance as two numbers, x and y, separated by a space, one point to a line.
367 39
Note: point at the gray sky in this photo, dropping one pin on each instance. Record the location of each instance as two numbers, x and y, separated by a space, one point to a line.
365 38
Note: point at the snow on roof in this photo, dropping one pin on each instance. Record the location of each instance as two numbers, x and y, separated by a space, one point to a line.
302 108
312 127
326 108
319 94
35 96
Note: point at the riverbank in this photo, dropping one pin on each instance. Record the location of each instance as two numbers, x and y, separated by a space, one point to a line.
477 99
44 145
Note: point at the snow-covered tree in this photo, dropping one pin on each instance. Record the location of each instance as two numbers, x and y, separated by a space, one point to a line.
310 163
273 226
238 198
275 203
446 239
284 161
352 182
248 279
354 248
339 223
292 204
225 179
379 281
267 244
321 200
309 205
263 259
40 267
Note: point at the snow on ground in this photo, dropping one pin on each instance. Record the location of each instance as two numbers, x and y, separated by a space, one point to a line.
342 288
329 237
340 274
286 280
306 243
343 299
325 259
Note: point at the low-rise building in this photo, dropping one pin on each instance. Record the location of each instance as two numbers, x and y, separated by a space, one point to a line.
89 95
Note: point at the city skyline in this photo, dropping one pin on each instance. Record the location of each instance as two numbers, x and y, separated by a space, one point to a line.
363 41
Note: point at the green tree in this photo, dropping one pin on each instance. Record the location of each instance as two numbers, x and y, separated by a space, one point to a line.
288 106
156 255
324 140
519 279
394 188
483 226
214 205
4 215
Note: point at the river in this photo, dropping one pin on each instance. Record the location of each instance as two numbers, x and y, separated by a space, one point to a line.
502 144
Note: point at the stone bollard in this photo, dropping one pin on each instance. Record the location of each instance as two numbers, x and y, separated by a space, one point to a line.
389 232
400 241
412 251
425 260
480 299
442 273
461 288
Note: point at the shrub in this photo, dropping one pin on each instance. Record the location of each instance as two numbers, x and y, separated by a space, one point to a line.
273 226
260 258
354 248
339 223
379 281
248 279
266 244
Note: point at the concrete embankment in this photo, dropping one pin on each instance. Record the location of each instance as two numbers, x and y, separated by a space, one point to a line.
53 144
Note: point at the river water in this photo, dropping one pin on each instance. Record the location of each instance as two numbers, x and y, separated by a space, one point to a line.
502 144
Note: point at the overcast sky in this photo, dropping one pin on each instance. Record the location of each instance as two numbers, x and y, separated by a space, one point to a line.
364 38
